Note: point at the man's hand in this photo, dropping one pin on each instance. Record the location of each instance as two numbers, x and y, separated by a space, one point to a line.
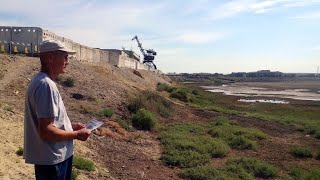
83 134
77 126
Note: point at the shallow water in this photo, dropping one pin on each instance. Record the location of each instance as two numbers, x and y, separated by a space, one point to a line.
246 91
264 101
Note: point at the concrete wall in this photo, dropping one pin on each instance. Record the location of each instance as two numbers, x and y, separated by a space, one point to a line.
27 39
20 39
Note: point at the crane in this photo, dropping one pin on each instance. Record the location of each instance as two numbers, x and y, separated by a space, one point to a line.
148 54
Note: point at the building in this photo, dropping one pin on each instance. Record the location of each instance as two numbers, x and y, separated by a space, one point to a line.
26 40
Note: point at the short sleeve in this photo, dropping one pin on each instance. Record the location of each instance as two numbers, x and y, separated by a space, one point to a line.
46 101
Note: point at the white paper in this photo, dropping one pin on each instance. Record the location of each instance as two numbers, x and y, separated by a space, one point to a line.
93 124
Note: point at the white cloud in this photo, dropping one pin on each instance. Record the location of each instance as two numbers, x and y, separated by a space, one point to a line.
310 16
199 37
236 7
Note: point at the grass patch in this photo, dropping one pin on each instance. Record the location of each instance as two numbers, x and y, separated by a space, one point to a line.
181 94
74 174
144 120
238 168
153 102
301 152
256 167
82 163
297 173
164 87
187 145
191 144
19 152
237 137
124 124
105 112
318 154
66 81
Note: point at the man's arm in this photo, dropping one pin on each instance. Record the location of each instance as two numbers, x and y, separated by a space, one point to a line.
49 132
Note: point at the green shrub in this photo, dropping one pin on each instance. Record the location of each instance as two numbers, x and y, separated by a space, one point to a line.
74 174
180 94
202 173
144 120
164 87
184 158
195 92
301 152
317 134
297 173
135 104
152 102
313 174
69 82
240 142
105 112
256 167
19 152
186 145
124 124
84 164
318 154
236 137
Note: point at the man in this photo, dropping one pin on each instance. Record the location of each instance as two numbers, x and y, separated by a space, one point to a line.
48 132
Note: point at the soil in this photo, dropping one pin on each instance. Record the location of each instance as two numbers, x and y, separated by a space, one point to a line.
116 152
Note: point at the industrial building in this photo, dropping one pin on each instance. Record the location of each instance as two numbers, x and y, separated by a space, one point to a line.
26 40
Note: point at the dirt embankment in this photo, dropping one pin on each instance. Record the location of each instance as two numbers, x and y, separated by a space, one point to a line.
102 86
121 154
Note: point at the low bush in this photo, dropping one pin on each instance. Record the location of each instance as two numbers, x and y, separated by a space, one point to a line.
124 124
69 82
256 167
164 87
180 94
74 174
318 154
19 152
144 120
184 158
84 164
317 134
186 145
152 102
238 168
237 137
105 112
297 173
301 152
66 81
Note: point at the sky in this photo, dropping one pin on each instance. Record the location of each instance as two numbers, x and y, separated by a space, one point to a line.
191 36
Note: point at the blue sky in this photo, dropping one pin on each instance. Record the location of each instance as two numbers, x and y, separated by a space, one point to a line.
189 35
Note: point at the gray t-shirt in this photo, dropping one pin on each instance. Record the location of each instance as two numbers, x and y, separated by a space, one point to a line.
43 100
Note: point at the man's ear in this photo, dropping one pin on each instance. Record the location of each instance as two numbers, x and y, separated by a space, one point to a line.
50 58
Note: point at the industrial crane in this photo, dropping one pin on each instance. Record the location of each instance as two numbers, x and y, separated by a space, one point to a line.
148 54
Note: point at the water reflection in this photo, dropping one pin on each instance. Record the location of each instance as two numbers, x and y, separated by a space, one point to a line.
246 91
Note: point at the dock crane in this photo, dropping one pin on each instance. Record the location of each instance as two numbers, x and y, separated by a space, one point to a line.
148 54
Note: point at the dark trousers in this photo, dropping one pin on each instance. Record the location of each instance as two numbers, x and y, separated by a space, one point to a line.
60 171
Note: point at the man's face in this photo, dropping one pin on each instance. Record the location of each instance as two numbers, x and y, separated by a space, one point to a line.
59 62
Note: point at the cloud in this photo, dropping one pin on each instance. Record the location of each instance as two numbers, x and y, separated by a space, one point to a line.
235 7
199 37
308 16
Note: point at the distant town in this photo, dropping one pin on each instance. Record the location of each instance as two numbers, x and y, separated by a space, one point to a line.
257 74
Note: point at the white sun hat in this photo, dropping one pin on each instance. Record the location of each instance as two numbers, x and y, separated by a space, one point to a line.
52 45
